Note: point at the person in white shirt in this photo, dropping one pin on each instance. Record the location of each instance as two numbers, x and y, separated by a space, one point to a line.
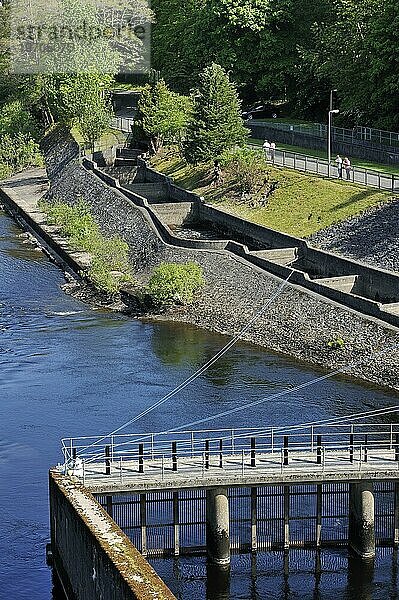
266 148
347 166
338 162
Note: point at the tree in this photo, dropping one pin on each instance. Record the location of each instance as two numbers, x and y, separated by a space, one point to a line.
216 124
164 115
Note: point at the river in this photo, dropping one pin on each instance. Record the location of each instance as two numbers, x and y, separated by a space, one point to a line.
67 369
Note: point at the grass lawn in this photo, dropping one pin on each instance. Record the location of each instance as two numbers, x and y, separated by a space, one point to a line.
301 205
357 162
111 137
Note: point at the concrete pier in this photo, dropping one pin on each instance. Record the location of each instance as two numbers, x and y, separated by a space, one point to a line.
361 519
217 527
92 557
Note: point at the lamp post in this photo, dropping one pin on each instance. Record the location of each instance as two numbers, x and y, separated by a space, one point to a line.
332 92
330 114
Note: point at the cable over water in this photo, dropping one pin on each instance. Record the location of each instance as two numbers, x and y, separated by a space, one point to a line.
202 369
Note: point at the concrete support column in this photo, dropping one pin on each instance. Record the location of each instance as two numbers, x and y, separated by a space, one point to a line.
217 527
361 519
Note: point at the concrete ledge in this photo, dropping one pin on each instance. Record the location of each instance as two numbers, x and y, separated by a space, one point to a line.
92 556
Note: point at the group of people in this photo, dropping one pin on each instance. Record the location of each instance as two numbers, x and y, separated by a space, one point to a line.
269 149
343 165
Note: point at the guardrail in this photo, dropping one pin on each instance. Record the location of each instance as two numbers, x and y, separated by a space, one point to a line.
222 443
320 166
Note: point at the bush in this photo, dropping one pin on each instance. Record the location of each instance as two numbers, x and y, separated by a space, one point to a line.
18 152
247 166
336 344
109 267
175 283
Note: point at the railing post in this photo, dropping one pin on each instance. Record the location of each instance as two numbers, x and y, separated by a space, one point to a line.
84 471
232 441
319 450
163 466
174 456
74 454
107 461
192 444
120 470
351 448
391 436
112 448
141 458
397 446
365 447
152 446
221 454
253 457
272 440
285 450
393 183
312 437
242 462
206 454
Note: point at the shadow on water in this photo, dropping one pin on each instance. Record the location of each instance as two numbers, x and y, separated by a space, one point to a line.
178 344
297 574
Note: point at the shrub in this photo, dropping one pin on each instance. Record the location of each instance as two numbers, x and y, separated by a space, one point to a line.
247 167
336 344
175 283
109 267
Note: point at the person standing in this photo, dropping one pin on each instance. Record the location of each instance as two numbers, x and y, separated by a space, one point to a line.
338 162
266 148
272 150
346 163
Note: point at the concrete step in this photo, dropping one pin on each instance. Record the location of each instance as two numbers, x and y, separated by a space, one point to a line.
345 283
280 256
128 152
392 308
154 192
173 214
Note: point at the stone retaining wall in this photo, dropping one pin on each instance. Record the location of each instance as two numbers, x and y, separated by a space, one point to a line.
297 323
92 556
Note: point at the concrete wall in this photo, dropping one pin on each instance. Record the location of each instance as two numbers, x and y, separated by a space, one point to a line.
92 556
372 287
296 323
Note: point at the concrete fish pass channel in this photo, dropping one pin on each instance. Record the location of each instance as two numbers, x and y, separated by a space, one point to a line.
118 499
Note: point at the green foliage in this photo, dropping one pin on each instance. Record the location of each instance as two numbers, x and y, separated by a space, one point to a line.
18 152
216 124
248 167
81 100
336 344
175 283
109 267
164 115
15 118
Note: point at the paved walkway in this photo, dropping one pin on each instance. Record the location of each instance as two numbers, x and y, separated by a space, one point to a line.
237 471
319 166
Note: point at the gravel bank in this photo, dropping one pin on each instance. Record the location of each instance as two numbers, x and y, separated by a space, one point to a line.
297 323
372 237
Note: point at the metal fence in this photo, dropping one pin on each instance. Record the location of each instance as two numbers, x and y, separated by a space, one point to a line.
212 445
340 134
124 124
262 518
320 166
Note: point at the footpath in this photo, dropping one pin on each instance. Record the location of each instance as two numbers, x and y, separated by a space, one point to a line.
321 167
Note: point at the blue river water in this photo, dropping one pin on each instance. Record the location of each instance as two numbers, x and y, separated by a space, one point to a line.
67 369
